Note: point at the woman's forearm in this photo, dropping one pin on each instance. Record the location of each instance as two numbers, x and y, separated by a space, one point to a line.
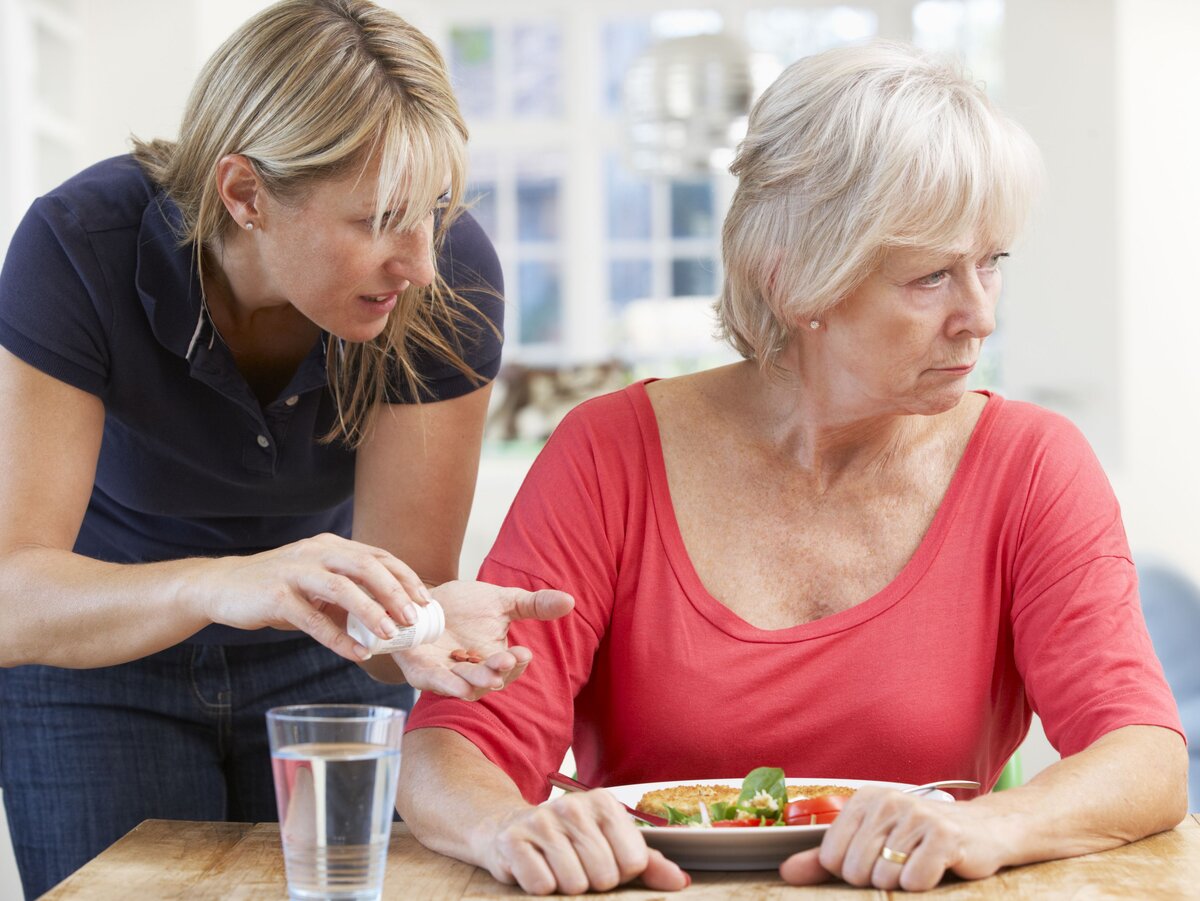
1129 784
451 796
63 609
458 803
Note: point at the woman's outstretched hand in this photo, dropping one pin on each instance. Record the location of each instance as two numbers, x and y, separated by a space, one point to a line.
477 619
314 584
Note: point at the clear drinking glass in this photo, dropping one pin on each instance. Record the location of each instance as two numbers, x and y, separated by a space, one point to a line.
335 768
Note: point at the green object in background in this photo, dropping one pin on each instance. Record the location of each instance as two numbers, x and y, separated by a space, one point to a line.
1011 776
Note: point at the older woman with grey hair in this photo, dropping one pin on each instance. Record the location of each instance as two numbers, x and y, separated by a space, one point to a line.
831 557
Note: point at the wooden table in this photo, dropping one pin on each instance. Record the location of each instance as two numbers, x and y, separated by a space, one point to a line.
172 859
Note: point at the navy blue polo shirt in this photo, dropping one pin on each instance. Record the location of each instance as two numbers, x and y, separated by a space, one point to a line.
97 292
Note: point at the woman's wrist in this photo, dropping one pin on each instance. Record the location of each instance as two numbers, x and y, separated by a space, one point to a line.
999 833
189 588
481 838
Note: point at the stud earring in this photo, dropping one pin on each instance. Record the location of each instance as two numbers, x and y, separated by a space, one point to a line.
816 323
249 226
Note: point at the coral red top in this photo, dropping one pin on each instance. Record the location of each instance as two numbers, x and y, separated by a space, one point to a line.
1022 597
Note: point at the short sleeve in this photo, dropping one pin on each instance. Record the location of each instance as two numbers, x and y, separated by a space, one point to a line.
1080 639
469 265
50 298
555 536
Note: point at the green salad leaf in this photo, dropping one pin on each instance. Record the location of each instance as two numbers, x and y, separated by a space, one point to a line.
675 818
766 779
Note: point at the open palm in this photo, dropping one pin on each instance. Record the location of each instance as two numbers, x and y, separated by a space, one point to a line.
477 619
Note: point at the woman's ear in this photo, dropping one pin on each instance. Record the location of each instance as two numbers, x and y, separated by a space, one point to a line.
239 187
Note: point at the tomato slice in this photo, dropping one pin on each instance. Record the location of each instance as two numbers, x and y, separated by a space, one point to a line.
813 811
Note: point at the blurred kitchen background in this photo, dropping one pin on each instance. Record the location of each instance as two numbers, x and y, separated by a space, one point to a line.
600 132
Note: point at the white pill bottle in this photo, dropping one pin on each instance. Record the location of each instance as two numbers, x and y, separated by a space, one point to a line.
430 624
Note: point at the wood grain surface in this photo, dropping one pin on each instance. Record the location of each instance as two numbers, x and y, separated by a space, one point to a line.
172 859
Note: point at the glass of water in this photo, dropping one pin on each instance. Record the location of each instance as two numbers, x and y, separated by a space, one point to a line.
335 768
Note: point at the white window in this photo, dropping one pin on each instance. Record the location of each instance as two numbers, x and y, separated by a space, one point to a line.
582 235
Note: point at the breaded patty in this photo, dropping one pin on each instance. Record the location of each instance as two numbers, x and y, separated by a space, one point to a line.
686 798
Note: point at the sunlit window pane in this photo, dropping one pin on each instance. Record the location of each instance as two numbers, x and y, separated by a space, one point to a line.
628 202
473 70
537 69
678 23
629 280
537 208
939 24
971 29
482 193
539 298
623 41
481 201
788 34
692 209
691 276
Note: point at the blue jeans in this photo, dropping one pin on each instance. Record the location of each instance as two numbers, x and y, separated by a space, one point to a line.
86 755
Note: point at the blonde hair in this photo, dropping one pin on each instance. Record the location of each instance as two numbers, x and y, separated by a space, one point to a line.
850 153
313 89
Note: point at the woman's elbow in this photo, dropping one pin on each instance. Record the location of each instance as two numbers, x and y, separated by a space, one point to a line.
1165 782
1176 767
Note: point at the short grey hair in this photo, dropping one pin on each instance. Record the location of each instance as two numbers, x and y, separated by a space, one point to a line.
851 153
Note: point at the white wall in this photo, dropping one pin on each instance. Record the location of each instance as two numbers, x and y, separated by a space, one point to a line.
1101 315
1158 196
1060 307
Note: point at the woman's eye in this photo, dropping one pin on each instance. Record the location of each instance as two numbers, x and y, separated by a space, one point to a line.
441 203
384 221
933 279
993 262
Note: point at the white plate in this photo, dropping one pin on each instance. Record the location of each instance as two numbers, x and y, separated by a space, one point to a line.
737 849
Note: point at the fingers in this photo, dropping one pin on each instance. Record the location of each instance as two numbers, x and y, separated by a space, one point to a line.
578 851
520 659
581 842
312 620
317 586
897 856
886 840
545 604
387 580
662 875
804 868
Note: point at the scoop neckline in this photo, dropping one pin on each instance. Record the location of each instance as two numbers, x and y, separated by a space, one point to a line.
883 600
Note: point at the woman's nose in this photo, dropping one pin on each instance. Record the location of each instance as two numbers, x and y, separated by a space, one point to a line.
411 257
978 305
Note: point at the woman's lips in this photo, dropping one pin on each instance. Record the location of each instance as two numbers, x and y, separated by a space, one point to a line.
956 370
382 302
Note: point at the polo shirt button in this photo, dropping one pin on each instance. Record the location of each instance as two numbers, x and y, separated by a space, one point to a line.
263 441
293 400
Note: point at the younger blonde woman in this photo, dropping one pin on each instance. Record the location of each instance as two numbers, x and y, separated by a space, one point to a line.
243 383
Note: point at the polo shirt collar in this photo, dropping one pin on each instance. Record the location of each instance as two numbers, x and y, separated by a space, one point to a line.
168 284
167 279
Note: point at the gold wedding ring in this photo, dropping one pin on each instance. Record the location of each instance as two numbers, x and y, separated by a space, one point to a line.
893 856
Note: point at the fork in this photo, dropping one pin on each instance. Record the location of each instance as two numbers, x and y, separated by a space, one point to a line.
944 783
566 783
